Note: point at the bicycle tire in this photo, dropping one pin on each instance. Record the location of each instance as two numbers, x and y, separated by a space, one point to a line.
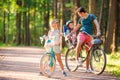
70 60
98 61
45 67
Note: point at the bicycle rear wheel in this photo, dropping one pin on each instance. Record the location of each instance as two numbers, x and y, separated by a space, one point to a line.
98 61
70 60
45 65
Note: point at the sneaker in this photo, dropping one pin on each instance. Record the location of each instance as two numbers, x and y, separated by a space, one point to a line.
71 47
64 73
88 70
40 73
79 62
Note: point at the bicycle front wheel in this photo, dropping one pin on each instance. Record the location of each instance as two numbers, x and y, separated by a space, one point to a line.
70 60
46 67
98 61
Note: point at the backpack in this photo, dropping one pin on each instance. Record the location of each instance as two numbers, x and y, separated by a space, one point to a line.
94 26
66 30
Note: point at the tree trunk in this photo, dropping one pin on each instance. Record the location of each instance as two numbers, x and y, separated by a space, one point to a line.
118 26
18 24
46 17
28 29
62 42
77 5
55 9
106 12
4 26
101 13
111 27
8 23
34 31
26 18
92 7
25 27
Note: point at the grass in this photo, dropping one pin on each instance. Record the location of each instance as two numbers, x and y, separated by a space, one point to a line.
6 45
113 64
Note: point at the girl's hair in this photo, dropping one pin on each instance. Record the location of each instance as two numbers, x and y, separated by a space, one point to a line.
80 10
53 21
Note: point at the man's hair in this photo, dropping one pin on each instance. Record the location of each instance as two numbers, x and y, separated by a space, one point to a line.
80 10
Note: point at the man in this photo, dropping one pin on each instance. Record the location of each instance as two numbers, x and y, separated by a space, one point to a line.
86 29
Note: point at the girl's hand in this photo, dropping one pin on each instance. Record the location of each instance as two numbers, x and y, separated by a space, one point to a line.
50 44
61 34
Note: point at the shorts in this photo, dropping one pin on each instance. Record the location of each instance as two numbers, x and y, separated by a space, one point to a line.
84 38
56 49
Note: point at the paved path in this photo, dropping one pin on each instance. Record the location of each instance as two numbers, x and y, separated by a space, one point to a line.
22 63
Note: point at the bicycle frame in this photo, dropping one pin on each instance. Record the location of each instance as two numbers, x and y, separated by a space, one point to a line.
52 53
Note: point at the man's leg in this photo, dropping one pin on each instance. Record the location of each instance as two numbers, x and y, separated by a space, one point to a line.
80 41
78 49
88 41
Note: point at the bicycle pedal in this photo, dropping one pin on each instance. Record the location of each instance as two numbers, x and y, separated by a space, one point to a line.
79 65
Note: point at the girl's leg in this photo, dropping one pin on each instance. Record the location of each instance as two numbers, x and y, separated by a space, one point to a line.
58 56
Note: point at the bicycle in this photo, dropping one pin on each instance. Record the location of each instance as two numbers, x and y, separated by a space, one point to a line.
47 61
97 57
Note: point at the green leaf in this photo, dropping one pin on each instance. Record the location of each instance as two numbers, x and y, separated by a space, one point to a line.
69 4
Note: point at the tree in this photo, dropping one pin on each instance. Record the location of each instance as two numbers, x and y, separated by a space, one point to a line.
110 43
92 7
62 43
55 9
18 23
101 13
76 6
26 18
46 15
4 26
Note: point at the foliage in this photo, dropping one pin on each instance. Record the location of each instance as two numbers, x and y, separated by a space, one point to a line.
113 61
36 10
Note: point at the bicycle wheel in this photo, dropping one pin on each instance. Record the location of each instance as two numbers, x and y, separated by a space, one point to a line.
98 61
70 60
45 65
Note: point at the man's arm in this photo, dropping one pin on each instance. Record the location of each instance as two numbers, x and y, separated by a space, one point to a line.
98 27
75 29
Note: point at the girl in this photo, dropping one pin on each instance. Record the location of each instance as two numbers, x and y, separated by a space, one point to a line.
54 35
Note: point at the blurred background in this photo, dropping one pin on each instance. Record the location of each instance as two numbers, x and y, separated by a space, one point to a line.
22 22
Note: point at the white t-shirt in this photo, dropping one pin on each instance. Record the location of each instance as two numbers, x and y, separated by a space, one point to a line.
55 40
